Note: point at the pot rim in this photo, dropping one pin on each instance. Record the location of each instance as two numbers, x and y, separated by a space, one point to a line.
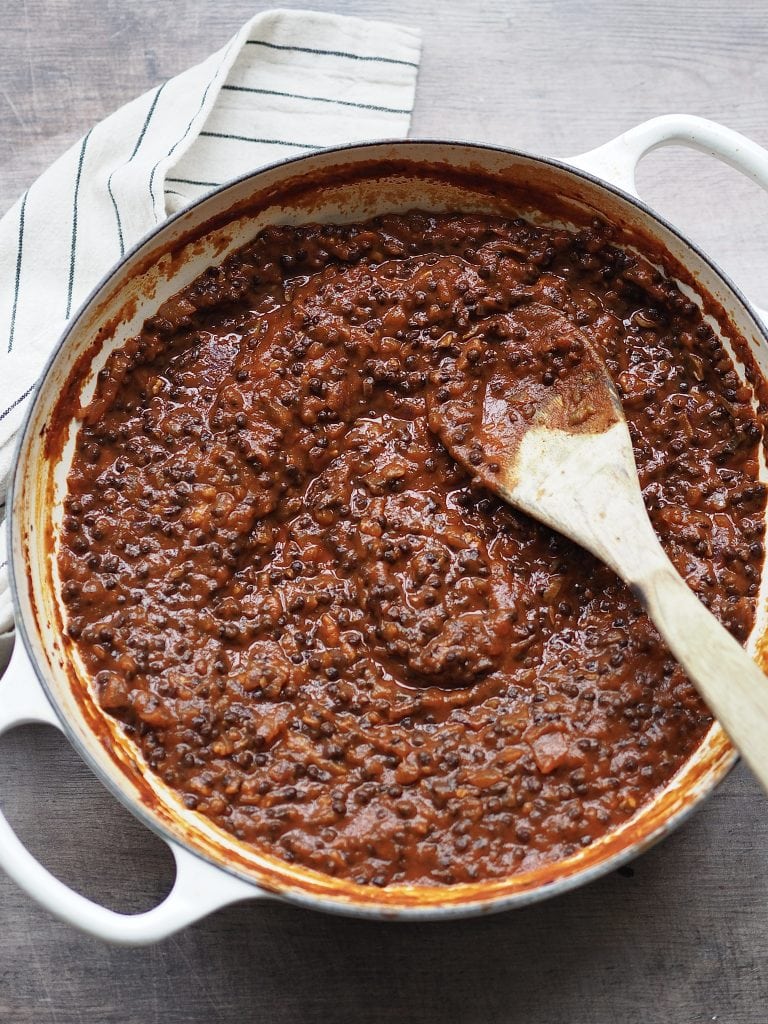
380 910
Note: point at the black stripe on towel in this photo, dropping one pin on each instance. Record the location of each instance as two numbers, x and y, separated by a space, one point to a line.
189 181
139 141
18 401
266 142
147 119
317 99
17 282
191 122
117 213
73 251
332 53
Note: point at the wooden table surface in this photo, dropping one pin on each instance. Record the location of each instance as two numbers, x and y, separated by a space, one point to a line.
682 936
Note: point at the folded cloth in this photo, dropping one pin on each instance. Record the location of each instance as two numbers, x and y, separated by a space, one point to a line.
289 82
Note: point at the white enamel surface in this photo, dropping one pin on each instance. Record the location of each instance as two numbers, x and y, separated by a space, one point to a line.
132 293
23 698
617 160
198 889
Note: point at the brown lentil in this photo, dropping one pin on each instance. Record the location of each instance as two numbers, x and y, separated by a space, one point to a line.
309 619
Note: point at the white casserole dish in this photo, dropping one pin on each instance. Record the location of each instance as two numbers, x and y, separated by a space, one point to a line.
213 868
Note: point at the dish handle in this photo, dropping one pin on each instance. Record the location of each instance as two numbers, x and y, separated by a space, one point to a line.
198 889
617 160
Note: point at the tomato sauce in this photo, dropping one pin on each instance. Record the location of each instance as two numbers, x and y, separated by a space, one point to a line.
318 628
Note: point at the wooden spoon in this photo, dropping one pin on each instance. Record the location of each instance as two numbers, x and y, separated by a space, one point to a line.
557 446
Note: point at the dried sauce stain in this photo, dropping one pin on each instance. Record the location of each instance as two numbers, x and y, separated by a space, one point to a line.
310 621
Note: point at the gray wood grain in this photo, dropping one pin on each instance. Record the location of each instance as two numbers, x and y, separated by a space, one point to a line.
682 939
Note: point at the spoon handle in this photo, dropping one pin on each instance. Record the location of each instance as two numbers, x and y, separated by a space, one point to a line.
586 487
734 687
724 674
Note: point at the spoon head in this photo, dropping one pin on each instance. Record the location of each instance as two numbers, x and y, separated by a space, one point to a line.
532 369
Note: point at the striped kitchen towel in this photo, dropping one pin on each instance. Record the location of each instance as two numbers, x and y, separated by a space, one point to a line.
289 82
